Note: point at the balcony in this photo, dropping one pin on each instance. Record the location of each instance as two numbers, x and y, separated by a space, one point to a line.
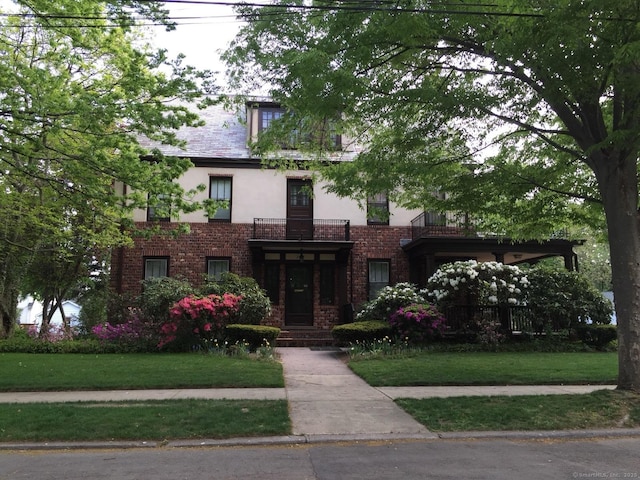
300 229
462 225
429 224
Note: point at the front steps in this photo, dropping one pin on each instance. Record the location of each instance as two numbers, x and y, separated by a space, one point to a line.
304 337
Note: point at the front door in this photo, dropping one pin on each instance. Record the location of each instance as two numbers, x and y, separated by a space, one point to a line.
299 295
299 210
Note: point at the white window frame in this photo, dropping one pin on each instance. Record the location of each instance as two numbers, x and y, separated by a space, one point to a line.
224 194
213 271
379 276
156 267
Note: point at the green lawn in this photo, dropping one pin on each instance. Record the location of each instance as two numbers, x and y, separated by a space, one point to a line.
24 372
158 420
489 369
600 409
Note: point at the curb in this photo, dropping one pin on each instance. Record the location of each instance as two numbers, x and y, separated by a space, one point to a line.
325 439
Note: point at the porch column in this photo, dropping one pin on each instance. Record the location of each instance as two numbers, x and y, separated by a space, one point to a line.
499 257
568 261
430 266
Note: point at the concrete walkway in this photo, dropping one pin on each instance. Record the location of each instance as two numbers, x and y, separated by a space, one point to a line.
326 399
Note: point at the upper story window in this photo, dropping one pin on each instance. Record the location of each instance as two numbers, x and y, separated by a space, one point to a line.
220 191
378 209
159 209
320 132
267 115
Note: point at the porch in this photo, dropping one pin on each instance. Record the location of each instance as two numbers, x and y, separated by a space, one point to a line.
439 238
513 319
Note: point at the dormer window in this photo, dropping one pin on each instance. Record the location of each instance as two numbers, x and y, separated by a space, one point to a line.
261 116
268 115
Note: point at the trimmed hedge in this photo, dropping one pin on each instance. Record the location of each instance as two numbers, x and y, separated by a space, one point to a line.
366 331
85 346
255 335
596 336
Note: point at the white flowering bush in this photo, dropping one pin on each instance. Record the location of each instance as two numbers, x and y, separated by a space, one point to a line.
478 283
389 300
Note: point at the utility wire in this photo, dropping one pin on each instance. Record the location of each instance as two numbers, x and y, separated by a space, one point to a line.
274 10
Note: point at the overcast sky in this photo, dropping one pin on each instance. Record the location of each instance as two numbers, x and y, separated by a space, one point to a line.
202 36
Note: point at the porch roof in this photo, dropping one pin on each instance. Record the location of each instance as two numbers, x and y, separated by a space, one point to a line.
487 249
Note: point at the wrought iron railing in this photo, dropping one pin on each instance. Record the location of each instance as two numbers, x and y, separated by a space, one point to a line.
300 229
442 223
514 318
457 224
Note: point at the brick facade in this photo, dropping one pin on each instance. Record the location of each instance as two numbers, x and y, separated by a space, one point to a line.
188 253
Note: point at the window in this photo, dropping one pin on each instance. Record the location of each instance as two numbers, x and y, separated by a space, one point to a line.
378 209
268 115
272 281
156 267
220 191
319 132
216 267
327 284
299 193
378 276
159 209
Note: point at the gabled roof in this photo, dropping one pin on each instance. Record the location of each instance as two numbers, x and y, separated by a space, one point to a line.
224 135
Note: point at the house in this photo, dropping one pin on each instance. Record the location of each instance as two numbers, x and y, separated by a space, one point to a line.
317 255
30 314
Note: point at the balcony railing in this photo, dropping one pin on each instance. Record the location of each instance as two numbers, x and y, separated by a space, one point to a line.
439 224
459 225
300 229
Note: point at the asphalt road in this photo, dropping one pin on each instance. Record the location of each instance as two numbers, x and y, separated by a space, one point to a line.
439 459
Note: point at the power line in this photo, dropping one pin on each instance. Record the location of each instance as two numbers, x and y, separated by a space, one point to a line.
388 6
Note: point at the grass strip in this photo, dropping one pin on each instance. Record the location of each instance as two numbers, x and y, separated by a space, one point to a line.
485 368
600 409
42 372
158 420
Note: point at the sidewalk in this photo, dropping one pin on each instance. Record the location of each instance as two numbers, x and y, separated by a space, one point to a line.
326 398
327 401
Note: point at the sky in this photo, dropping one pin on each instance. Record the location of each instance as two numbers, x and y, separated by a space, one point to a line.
201 38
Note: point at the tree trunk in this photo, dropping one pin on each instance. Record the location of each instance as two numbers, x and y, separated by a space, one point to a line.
617 180
8 306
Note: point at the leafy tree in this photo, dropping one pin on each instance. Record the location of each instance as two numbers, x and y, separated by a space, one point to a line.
78 88
594 263
526 113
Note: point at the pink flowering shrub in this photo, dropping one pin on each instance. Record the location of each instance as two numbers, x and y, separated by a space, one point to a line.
417 323
134 333
196 321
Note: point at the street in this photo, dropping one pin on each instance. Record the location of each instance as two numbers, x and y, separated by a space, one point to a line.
409 460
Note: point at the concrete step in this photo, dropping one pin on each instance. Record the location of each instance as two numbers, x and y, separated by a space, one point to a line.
304 337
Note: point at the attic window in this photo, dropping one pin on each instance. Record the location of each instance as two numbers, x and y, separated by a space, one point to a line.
267 115
322 131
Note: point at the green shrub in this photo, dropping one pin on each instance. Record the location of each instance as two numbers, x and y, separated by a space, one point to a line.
255 335
365 331
596 336
159 295
254 305
21 342
562 299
